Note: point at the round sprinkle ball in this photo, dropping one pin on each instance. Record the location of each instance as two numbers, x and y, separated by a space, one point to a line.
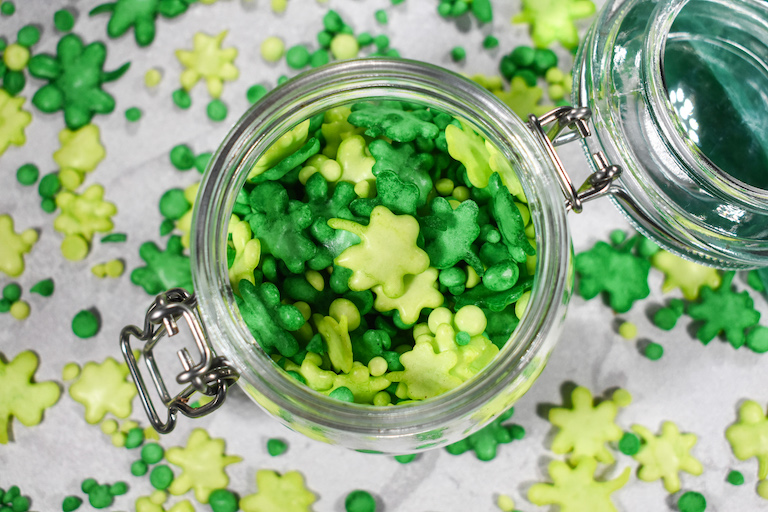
272 49
255 93
19 310
182 157
63 20
7 8
344 46
505 503
12 292
173 204
85 324
654 351
28 35
359 501
27 174
181 98
152 77
133 114
276 447
692 501
71 503
74 247
16 57
152 453
297 56
222 500
217 110
735 478
628 330
139 468
70 371
629 444
161 477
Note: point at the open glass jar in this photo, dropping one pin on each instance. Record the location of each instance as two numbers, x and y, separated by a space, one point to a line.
622 131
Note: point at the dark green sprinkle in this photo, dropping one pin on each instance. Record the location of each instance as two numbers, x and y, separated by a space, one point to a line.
359 501
276 447
5 306
133 114
297 56
63 20
458 53
201 161
28 35
444 9
139 468
255 93
3 46
333 22
463 338
27 174
459 7
381 16
217 110
490 42
161 477
654 351
343 394
665 318
405 459
182 157
20 504
182 99
166 227
12 493
48 205
364 39
544 59
173 204
87 485
85 324
523 56
49 185
135 438
381 42
222 500
324 39
319 58
527 75
12 292
152 453
14 82
692 501
7 8
735 478
629 444
99 496
114 237
71 503
118 489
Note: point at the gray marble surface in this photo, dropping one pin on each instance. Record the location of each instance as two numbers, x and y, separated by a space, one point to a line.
697 387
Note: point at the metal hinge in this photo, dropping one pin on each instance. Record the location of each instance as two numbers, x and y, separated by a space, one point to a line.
575 119
211 375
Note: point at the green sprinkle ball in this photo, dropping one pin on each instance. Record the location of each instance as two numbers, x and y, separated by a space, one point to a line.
71 503
201 161
12 292
297 56
152 453
381 16
276 447
692 501
48 205
405 459
173 204
161 477
735 478
28 35
343 394
63 20
7 8
20 504
118 488
139 468
654 351
88 484
100 497
319 58
222 500
133 114
5 305
255 93
490 42
85 324
182 99
135 438
182 157
217 110
27 174
629 444
458 53
49 185
359 501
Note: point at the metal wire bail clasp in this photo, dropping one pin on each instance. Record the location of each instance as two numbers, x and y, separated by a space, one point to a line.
598 183
211 375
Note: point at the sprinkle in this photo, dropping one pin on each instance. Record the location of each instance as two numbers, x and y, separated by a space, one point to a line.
735 478
139 468
653 351
505 503
692 501
222 500
490 42
63 20
70 371
7 8
629 444
71 503
255 93
208 61
217 110
161 477
276 447
297 56
272 49
182 157
133 114
181 98
458 53
19 310
114 237
27 174
152 453
359 501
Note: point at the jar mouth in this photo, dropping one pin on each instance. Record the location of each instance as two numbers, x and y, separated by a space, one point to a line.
738 29
365 80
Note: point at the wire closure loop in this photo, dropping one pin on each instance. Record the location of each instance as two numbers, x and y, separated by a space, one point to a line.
211 375
575 120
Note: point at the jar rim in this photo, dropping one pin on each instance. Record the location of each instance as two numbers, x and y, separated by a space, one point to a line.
345 82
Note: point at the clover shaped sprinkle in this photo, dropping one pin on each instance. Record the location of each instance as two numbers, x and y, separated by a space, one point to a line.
402 159
84 214
523 99
621 275
13 246
496 301
209 61
724 311
386 254
501 165
184 224
420 292
690 277
355 160
286 493
336 336
748 437
202 464
398 196
164 269
80 151
485 442
287 144
290 162
247 253
509 220
75 77
13 120
664 456
279 223
325 205
395 123
427 373
21 398
449 234
139 15
102 388
586 428
553 20
575 489
469 148
360 382
268 320
336 128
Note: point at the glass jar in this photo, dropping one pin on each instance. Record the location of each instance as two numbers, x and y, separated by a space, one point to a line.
671 190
